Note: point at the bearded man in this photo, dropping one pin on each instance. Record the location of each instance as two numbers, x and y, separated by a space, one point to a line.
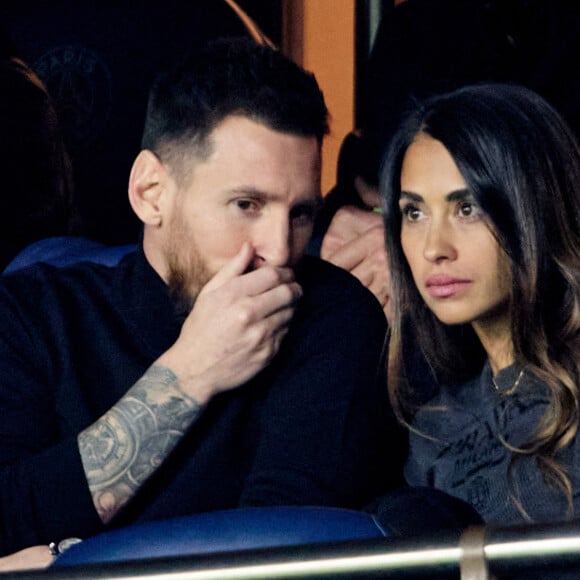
216 366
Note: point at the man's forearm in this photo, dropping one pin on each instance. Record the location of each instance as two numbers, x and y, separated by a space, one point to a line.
127 444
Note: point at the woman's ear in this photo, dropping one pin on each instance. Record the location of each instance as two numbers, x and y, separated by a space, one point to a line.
148 182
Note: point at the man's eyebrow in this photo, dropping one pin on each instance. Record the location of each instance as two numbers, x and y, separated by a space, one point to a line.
251 191
315 202
457 195
269 196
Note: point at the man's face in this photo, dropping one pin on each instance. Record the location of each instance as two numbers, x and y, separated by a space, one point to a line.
258 186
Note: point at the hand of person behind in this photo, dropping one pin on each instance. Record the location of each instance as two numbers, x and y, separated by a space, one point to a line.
235 327
355 241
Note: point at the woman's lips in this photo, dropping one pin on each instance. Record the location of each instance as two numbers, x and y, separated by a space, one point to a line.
443 286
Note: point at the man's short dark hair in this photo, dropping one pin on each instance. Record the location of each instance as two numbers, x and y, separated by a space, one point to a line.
228 77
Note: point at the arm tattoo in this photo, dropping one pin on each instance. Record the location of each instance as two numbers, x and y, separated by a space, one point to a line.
129 442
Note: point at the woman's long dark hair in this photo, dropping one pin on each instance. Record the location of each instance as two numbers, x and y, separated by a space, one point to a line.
521 163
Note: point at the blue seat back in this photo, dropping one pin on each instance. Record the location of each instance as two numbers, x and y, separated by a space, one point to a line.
66 250
225 531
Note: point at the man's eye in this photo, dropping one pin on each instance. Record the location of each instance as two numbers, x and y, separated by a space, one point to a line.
303 214
247 205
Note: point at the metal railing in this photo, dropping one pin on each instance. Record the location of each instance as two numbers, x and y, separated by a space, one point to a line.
481 553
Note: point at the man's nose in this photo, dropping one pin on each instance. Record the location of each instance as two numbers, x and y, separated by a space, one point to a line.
274 246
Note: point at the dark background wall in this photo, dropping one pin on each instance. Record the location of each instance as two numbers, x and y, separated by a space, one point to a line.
98 60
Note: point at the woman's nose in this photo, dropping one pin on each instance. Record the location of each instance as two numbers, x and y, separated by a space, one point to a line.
439 242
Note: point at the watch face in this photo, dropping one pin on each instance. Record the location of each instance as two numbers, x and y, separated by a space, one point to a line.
65 544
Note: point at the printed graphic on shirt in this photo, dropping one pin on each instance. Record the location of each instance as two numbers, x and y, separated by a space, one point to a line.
474 464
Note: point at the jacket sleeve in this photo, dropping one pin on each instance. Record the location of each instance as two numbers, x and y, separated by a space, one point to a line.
325 430
44 496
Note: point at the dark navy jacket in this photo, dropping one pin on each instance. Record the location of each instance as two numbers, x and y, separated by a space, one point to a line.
309 429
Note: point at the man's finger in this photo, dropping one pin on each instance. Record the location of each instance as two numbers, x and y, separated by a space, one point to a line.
276 299
235 267
263 279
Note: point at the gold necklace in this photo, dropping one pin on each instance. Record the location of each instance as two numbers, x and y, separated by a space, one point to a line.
513 387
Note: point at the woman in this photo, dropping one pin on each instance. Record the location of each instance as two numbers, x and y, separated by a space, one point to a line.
481 192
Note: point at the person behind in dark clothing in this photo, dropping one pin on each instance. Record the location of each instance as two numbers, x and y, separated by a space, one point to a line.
97 61
215 367
35 166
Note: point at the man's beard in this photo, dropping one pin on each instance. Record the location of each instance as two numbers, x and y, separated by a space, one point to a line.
187 271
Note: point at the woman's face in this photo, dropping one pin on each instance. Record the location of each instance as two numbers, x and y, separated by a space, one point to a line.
456 262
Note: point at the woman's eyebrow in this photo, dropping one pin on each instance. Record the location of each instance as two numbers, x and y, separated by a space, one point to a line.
458 195
410 195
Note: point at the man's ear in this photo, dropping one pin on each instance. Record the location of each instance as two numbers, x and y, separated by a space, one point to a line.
148 183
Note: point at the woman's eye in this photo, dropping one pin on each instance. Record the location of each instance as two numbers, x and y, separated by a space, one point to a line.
469 209
411 212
